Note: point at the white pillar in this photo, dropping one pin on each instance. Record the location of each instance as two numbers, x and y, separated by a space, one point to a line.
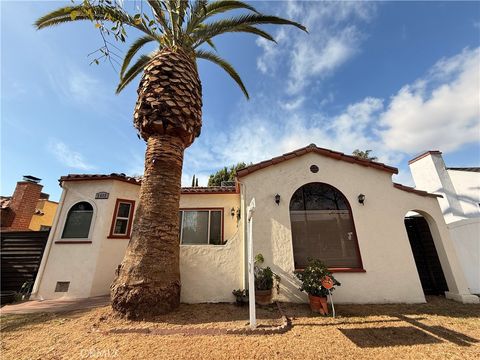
251 275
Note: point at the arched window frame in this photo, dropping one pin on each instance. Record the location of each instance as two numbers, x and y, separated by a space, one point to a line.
357 247
87 240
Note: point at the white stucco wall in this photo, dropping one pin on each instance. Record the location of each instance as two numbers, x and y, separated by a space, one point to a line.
390 272
77 263
460 206
208 273
467 188
430 174
466 238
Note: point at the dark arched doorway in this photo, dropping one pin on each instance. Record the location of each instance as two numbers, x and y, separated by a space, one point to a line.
425 254
323 228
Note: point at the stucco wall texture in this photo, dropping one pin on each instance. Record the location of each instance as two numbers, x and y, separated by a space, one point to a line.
390 272
210 273
460 207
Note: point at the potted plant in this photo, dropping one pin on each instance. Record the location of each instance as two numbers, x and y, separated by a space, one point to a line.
241 296
317 280
265 279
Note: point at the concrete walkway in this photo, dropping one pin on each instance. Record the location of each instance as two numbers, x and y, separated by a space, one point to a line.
56 305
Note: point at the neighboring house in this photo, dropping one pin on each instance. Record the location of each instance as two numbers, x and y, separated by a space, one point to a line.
312 202
460 204
28 208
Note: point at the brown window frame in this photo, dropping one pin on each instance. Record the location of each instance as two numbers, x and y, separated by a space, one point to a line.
115 217
204 209
360 268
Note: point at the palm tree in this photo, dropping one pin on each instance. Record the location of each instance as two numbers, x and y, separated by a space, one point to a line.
168 116
364 154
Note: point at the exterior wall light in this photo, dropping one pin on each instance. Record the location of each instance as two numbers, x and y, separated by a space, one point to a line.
277 199
361 199
232 212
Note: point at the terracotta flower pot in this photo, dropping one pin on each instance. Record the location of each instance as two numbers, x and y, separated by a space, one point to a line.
263 297
318 304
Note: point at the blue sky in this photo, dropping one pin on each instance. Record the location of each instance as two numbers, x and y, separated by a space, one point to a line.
395 77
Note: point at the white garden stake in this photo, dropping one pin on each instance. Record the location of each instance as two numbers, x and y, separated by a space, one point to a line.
327 283
251 276
331 300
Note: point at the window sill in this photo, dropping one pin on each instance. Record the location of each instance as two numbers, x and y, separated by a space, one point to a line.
340 270
206 245
118 237
337 270
73 242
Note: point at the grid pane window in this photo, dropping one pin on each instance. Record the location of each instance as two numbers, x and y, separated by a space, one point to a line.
200 227
122 218
121 226
124 210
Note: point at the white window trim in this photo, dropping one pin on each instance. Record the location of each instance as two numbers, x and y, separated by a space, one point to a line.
122 218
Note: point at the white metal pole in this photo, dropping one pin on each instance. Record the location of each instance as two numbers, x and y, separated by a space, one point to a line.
331 300
251 275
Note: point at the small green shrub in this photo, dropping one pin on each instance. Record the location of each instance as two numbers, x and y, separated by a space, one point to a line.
312 276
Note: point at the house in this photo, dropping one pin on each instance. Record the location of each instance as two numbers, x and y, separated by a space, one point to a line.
311 202
28 208
460 205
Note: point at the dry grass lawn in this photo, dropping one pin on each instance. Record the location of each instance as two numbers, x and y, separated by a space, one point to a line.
440 329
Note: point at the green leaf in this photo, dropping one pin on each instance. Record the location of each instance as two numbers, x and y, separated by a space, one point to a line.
134 70
137 45
206 55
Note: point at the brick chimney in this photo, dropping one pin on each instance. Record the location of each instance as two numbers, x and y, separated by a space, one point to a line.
24 201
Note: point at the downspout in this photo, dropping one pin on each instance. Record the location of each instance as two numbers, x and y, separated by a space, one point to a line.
48 247
243 206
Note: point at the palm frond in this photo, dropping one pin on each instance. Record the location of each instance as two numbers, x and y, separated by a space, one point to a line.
247 29
206 55
209 31
202 10
99 13
134 70
256 31
137 45
160 15
211 44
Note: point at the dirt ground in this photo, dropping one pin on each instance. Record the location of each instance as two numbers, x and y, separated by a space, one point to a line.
440 329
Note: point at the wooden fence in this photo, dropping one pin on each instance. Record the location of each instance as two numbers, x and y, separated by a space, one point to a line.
21 253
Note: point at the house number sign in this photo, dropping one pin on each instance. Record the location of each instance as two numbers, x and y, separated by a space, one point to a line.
101 195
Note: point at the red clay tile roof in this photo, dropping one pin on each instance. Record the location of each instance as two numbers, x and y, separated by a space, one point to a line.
137 181
112 176
415 191
209 190
321 151
424 154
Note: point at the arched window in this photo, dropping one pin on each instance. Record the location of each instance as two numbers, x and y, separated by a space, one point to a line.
78 221
322 227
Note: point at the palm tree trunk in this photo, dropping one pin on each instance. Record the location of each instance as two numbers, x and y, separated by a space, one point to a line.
148 280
